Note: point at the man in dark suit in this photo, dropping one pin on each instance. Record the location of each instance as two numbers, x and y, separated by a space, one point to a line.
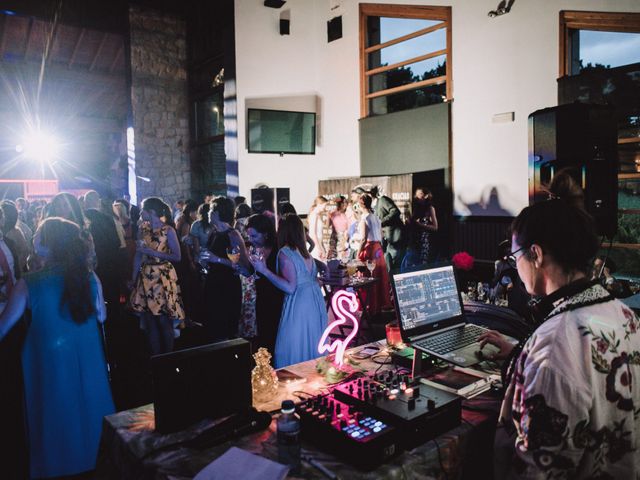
392 228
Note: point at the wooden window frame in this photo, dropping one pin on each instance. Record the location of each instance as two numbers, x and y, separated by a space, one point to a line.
442 14
600 21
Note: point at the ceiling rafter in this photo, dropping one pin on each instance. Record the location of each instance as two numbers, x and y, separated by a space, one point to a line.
97 54
4 25
29 36
116 59
76 47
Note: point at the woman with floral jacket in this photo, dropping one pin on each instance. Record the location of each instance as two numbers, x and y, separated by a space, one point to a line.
571 407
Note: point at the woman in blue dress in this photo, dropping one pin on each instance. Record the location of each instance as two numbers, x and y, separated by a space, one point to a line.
304 315
66 389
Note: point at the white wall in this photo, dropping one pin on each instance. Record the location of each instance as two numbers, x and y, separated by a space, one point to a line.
502 64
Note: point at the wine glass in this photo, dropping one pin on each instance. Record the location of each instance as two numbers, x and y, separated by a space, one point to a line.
255 255
233 253
371 266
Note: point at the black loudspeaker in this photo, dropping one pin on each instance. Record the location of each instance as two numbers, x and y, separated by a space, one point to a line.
334 29
584 138
284 26
268 199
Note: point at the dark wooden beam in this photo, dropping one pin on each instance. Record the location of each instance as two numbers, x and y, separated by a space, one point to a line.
76 47
4 25
116 59
97 54
29 35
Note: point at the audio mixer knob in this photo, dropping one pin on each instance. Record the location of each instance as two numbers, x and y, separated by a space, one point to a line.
411 404
416 392
431 404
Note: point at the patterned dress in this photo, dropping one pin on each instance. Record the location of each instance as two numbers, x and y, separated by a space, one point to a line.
157 290
571 409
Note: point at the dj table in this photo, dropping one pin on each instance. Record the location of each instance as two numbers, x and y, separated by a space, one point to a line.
132 449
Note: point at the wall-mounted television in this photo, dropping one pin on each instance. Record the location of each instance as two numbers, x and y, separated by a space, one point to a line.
278 131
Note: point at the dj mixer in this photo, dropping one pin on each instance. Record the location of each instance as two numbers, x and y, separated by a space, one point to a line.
369 419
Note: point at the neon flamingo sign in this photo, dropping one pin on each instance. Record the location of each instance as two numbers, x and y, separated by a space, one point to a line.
344 304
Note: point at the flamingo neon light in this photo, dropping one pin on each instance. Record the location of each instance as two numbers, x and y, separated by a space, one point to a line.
344 304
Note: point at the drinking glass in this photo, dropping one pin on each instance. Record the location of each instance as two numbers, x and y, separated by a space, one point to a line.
233 253
371 266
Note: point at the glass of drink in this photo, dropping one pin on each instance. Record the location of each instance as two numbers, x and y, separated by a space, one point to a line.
233 253
371 266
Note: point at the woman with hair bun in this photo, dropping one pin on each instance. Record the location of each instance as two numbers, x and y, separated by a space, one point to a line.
66 389
571 404
156 293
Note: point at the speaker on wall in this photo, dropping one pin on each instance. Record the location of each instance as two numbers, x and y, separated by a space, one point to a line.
334 29
582 138
284 26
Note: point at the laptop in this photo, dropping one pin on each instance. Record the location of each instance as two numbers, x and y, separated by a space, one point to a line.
431 316
210 381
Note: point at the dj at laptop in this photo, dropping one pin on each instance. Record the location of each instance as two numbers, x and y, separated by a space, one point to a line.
570 408
432 317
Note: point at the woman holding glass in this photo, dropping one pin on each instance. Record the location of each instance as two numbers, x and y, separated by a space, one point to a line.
222 288
370 230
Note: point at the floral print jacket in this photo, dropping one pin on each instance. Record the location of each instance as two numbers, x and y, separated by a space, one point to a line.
571 409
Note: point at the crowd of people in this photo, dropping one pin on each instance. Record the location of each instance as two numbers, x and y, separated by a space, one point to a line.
83 266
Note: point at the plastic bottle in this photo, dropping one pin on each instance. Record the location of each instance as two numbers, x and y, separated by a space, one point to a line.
289 436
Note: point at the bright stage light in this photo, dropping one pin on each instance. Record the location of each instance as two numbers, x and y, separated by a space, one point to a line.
40 146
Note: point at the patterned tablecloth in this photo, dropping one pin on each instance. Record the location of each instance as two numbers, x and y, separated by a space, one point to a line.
131 449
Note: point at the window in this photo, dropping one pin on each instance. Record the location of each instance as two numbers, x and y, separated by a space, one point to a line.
598 40
592 43
405 57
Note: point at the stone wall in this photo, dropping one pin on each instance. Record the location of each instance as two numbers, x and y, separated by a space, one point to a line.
160 104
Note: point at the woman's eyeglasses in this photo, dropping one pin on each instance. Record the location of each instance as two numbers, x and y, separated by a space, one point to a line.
512 258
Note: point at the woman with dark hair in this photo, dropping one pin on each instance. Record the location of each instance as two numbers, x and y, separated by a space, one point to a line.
200 230
186 268
570 409
262 237
222 288
66 388
370 250
11 232
304 314
156 293
422 223
67 206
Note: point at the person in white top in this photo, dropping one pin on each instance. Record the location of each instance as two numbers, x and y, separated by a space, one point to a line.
316 226
370 251
572 404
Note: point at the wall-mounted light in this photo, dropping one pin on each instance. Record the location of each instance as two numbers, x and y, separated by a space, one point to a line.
503 7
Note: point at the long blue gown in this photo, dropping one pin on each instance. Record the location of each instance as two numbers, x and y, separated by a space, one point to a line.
304 316
66 387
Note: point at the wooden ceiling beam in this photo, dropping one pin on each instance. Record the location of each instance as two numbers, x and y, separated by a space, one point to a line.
97 54
76 47
29 35
4 25
116 59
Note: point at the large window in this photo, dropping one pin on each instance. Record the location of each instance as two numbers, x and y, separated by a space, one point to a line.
405 57
591 43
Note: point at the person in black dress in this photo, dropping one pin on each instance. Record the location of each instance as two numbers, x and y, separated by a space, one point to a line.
227 258
262 236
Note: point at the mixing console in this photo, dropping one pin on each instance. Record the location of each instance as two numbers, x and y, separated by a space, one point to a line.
367 420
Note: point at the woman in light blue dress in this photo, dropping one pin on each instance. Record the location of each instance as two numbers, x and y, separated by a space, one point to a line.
304 315
66 389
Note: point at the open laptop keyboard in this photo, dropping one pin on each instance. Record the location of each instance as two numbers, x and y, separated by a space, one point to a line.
452 340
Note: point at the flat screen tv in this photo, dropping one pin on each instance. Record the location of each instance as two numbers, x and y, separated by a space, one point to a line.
277 131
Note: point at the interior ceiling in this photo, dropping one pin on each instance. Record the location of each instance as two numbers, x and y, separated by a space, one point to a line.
60 70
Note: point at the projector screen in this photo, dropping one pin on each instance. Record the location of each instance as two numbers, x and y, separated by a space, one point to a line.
275 131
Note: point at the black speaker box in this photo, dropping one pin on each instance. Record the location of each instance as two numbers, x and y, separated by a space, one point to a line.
334 29
581 137
284 26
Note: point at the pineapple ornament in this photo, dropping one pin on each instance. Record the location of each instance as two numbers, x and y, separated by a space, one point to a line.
264 380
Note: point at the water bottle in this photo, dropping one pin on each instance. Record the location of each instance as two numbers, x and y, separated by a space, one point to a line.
289 437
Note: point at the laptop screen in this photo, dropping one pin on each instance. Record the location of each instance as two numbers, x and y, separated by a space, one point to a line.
426 296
